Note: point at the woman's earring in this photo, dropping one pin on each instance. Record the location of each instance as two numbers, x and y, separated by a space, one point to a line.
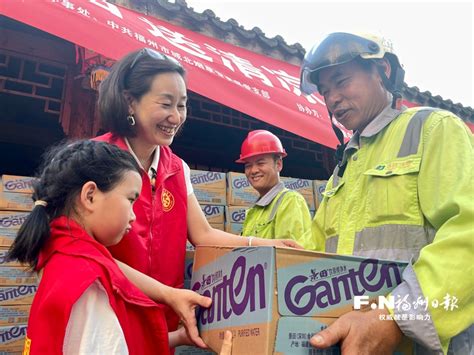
131 120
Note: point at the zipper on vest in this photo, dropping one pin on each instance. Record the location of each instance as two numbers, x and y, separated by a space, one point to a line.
153 181
153 196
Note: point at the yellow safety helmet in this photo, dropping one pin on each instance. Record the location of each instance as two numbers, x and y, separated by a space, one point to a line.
339 48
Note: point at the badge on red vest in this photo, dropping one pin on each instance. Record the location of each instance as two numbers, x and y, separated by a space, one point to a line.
167 200
27 346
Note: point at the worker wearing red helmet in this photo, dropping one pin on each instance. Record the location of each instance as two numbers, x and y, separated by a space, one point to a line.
279 212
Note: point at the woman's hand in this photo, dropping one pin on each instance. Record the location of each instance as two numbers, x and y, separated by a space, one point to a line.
184 303
287 243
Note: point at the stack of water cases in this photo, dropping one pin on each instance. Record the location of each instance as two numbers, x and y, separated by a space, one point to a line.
210 190
240 197
17 284
319 186
304 187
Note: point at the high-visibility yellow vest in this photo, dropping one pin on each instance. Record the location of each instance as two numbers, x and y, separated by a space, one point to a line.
287 216
407 194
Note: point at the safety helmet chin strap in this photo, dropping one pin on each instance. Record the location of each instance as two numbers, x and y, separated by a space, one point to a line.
395 87
340 147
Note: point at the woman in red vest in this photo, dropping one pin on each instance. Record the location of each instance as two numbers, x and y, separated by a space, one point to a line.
84 304
142 103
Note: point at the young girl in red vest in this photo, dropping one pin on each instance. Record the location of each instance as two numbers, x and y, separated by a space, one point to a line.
142 103
84 201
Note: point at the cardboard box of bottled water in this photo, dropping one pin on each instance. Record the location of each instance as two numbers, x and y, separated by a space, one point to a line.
14 201
10 223
319 187
213 213
274 299
5 262
15 183
235 214
303 186
14 314
220 226
17 295
239 190
15 276
234 228
209 187
12 338
234 218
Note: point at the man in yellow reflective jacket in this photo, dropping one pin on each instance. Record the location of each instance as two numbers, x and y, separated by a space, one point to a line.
402 189
279 212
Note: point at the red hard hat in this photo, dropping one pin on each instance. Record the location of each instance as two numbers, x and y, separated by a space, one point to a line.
260 142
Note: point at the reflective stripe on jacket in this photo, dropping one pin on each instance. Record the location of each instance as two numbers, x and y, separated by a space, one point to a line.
407 194
285 215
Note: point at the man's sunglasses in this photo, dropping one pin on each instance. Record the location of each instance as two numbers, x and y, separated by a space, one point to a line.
153 54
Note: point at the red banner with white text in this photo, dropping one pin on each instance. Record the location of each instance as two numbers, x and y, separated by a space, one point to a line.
259 86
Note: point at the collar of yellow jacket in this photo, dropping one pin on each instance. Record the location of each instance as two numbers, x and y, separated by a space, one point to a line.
267 199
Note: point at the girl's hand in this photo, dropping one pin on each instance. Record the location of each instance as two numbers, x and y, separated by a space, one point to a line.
184 303
179 337
226 348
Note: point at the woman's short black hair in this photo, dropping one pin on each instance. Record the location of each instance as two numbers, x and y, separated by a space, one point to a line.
132 75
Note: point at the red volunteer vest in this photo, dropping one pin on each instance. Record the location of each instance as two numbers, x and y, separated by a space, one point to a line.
156 245
71 262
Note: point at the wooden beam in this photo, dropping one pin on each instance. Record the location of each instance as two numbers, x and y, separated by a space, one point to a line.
58 51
